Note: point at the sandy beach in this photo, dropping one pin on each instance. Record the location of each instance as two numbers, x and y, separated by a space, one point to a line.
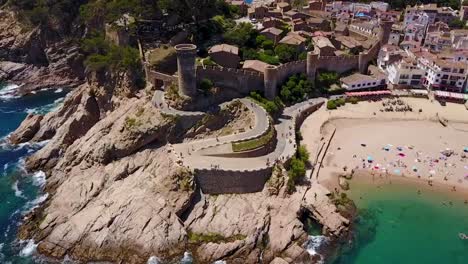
393 145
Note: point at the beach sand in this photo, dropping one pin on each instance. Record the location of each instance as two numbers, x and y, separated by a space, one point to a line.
413 143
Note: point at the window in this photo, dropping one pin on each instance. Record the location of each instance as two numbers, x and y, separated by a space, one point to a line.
445 76
352 86
359 85
462 70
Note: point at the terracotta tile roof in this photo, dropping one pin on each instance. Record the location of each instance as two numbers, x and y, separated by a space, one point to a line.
224 48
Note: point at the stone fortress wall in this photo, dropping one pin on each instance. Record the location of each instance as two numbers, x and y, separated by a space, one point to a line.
246 181
245 81
242 81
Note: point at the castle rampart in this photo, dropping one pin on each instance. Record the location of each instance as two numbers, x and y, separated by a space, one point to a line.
242 81
186 54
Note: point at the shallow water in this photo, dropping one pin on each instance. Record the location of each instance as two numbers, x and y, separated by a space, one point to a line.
398 225
19 191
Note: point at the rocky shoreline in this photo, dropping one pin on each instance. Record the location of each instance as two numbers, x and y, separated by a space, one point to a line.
32 62
115 192
116 195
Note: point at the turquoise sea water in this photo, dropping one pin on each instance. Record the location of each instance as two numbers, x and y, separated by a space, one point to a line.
398 225
19 191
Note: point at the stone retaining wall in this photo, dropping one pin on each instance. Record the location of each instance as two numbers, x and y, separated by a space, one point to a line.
240 80
228 181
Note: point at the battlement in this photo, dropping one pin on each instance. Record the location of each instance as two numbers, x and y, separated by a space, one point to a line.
186 48
230 70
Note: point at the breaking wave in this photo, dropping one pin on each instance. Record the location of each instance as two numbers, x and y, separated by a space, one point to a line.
9 92
314 244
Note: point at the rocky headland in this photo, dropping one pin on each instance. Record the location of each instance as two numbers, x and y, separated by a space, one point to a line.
117 194
32 59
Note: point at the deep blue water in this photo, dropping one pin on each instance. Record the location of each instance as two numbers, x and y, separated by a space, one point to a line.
20 191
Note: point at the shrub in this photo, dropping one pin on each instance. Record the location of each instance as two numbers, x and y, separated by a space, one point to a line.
296 89
206 85
340 102
353 100
296 170
302 154
270 59
331 105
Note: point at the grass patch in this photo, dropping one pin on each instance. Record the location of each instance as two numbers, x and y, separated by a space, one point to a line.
203 238
131 122
158 55
254 143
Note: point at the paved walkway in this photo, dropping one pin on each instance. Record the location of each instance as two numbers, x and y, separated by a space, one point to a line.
191 156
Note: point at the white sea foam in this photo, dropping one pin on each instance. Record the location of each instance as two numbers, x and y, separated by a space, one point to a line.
31 205
153 260
9 92
220 262
28 249
58 90
39 178
314 243
187 259
18 192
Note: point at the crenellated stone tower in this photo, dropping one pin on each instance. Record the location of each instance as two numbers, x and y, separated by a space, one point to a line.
187 79
385 30
312 63
270 79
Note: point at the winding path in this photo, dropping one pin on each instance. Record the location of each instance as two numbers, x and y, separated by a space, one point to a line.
192 153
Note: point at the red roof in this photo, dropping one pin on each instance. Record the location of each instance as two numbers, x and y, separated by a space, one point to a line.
368 93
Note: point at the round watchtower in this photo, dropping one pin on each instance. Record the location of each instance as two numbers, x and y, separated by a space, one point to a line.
312 63
385 30
186 54
270 81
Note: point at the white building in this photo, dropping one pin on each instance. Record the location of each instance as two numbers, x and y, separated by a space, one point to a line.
446 75
381 6
360 81
405 72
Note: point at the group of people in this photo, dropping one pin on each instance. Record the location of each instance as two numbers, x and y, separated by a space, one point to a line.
395 104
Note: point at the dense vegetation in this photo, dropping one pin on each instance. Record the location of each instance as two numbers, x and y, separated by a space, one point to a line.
273 107
55 14
296 89
297 167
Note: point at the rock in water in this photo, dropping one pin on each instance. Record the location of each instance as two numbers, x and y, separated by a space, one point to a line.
27 130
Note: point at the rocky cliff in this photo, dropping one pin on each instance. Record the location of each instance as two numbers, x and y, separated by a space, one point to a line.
30 59
116 192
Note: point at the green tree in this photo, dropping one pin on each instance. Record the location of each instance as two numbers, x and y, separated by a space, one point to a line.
296 89
206 85
268 45
297 170
241 34
326 79
266 57
249 54
286 53
457 23
303 154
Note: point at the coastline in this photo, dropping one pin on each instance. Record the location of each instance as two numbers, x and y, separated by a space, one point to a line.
353 125
366 178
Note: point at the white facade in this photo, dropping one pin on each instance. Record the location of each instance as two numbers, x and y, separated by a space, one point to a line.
381 6
359 81
447 75
405 72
